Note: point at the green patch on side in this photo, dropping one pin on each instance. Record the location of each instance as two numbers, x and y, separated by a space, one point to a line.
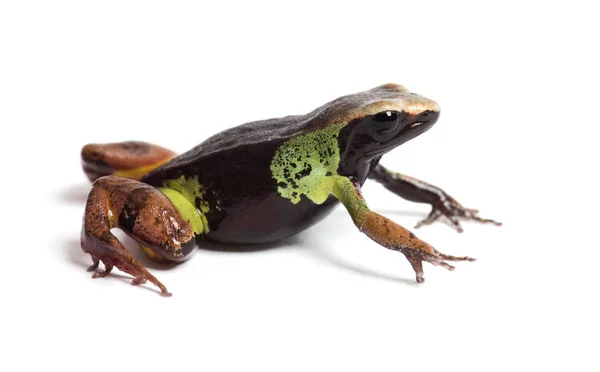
186 210
188 190
307 165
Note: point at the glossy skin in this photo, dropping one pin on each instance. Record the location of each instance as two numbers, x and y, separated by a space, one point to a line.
252 211
242 181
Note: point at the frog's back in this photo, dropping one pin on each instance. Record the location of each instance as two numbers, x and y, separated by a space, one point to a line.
266 133
256 133
247 148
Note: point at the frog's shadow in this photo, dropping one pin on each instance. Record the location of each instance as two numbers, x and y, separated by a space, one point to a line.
317 251
75 194
74 254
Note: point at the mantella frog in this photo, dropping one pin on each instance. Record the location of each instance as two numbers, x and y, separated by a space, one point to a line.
261 182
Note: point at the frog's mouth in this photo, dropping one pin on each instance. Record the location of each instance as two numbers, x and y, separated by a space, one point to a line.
412 125
418 124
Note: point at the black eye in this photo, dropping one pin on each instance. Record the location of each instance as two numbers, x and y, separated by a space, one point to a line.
385 122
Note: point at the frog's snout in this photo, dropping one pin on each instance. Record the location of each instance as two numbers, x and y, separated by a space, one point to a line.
422 121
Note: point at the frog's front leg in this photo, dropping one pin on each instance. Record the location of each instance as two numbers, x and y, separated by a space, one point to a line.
418 191
162 223
387 233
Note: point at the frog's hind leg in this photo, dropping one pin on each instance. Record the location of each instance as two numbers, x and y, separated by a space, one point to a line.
132 159
144 213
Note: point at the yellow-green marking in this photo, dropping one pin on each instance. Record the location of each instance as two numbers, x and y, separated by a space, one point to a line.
183 193
307 165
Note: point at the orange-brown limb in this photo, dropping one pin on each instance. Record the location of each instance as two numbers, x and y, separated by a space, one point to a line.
145 214
132 159
387 233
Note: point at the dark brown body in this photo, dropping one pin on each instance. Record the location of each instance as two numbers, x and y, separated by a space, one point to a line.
245 204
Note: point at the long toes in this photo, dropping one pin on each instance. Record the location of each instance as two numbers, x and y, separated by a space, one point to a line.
438 260
455 223
446 266
448 257
417 265
102 274
474 217
165 293
487 220
434 215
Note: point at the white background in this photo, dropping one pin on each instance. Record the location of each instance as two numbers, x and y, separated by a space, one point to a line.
517 138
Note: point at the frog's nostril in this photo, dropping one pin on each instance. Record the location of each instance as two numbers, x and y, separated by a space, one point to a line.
427 117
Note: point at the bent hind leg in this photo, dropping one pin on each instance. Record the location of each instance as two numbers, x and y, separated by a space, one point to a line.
144 213
132 159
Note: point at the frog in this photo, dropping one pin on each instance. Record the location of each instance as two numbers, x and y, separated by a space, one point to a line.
263 182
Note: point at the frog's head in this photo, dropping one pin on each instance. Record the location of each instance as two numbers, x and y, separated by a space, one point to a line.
381 119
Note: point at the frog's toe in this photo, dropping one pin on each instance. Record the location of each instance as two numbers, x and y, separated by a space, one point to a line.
95 264
434 257
455 223
417 265
474 217
435 215
454 212
103 274
166 294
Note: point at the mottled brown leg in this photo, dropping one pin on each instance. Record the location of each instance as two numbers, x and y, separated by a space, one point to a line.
132 159
418 191
145 214
389 234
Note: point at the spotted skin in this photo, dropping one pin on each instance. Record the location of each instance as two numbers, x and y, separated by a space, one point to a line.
306 165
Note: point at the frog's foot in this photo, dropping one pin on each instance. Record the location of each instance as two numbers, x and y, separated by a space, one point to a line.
448 207
144 213
132 159
112 254
397 238
433 256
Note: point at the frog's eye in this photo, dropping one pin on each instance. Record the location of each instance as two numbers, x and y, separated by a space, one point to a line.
385 122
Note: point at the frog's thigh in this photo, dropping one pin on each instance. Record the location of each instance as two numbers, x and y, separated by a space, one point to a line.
144 213
132 159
